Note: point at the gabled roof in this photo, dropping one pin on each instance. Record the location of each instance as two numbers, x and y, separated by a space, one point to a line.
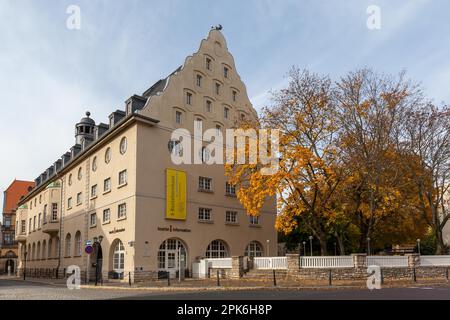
14 192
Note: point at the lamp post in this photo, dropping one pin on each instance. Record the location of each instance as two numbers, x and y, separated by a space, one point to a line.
25 266
268 249
310 244
304 248
98 242
368 246
418 246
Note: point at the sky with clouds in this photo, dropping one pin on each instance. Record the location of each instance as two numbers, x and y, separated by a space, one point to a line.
50 75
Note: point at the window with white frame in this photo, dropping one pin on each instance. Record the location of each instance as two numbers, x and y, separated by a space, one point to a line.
107 185
54 211
69 203
122 211
78 243
93 219
106 215
119 259
22 226
79 198
204 183
230 189
253 249
231 217
217 249
94 191
122 177
204 214
254 220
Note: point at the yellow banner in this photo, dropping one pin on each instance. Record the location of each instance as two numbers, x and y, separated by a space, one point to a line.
176 194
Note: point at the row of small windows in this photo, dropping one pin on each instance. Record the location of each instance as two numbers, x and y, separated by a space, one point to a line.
226 113
108 156
217 90
225 69
106 188
231 217
106 215
37 221
205 184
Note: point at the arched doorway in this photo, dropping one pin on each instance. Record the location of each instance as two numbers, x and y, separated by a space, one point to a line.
97 262
172 257
117 260
9 266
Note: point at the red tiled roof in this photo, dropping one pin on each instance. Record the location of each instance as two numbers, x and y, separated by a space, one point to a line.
14 192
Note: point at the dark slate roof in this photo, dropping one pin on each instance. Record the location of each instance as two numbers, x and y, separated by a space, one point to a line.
159 85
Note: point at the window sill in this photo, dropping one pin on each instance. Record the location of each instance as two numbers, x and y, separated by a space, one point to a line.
69 208
106 192
232 223
77 256
93 198
205 190
230 195
254 225
93 226
206 221
122 185
120 219
79 204
106 222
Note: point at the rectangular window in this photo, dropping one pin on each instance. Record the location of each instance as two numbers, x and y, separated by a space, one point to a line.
22 226
45 215
188 98
254 220
178 117
204 214
122 211
94 191
106 215
29 226
7 222
107 185
231 217
79 198
225 112
54 211
204 183
217 88
225 72
69 203
123 177
218 129
199 80
208 63
34 223
93 220
230 189
208 106
39 220
234 94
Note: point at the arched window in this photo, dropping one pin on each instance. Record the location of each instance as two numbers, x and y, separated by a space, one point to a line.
44 250
119 258
49 255
68 245
217 249
78 243
254 249
169 255
123 145
94 164
80 173
108 155
38 250
33 251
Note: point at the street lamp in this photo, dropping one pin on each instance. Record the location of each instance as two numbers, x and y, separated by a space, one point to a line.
268 249
25 266
304 248
368 246
418 246
98 242
310 244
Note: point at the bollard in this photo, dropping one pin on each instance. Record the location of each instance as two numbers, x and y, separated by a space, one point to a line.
329 278
168 278
414 275
446 274
218 278
274 278
381 276
129 278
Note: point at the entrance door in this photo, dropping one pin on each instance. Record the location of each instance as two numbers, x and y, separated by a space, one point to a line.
9 266
172 257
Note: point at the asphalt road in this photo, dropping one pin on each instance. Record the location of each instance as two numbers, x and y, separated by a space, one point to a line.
19 290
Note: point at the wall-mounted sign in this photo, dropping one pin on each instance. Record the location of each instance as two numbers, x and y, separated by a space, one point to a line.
89 249
115 230
173 229
175 194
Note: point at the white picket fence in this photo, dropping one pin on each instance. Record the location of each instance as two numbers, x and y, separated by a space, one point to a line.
387 261
435 261
326 262
270 263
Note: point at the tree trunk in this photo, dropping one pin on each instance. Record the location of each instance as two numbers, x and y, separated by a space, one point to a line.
323 245
440 246
340 243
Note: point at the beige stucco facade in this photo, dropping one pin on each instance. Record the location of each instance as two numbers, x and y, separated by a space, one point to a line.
135 238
